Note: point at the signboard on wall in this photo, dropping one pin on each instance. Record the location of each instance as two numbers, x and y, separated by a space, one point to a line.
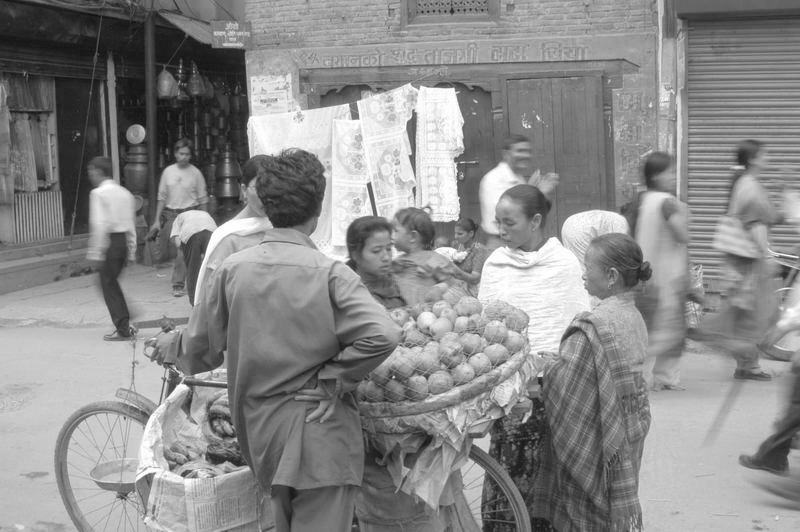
230 34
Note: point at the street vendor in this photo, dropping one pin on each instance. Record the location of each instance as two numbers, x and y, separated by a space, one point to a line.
301 330
542 278
380 507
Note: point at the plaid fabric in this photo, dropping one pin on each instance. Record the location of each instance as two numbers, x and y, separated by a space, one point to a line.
598 415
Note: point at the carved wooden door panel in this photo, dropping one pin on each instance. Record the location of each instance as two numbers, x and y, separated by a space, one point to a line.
563 117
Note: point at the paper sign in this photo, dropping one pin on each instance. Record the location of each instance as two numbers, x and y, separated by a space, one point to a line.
230 34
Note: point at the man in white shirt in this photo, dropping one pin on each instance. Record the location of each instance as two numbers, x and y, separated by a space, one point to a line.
511 171
112 240
181 188
191 232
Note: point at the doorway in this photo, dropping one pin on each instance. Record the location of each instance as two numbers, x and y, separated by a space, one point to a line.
563 118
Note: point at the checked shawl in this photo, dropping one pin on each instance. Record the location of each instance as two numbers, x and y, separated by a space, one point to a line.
598 414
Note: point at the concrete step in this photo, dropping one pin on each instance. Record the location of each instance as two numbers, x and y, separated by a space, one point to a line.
40 249
34 265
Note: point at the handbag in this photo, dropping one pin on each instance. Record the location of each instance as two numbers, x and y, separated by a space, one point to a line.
731 237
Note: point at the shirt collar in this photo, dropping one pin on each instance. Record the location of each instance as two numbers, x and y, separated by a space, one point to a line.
287 235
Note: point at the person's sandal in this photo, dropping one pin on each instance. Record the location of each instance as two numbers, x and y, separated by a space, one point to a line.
752 375
751 462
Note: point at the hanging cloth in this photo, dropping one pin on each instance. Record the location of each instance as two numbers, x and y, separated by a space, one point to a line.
349 196
383 126
440 139
309 130
6 179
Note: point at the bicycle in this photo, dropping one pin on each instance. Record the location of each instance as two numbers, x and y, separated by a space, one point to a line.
96 459
784 348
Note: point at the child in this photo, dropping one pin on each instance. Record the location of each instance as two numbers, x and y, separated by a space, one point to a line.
418 268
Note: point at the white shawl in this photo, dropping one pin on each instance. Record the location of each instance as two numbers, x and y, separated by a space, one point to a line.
547 284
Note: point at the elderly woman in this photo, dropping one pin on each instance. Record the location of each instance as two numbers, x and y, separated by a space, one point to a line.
596 403
541 277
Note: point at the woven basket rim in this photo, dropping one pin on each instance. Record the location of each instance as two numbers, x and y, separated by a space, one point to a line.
457 395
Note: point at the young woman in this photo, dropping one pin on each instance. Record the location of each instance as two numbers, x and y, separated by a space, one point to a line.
380 507
468 270
596 403
542 278
419 267
749 284
369 245
661 229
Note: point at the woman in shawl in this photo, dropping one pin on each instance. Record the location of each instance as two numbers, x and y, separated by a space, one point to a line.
596 403
661 229
749 284
542 278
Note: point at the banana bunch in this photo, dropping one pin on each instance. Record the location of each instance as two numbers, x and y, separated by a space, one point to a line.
219 416
179 454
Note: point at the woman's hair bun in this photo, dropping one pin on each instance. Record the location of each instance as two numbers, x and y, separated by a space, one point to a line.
645 271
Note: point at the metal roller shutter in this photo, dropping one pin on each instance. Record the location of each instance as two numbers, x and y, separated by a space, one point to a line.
743 81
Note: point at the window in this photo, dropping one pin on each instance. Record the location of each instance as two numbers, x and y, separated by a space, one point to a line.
451 10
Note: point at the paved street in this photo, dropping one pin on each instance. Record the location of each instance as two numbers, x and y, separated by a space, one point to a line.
57 362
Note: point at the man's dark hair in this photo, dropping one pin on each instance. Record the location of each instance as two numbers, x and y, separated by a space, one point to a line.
102 164
516 138
291 187
252 168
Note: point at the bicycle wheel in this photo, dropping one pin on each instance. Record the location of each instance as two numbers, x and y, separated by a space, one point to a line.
492 498
95 461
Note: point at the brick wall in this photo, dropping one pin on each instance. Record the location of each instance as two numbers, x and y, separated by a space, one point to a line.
297 23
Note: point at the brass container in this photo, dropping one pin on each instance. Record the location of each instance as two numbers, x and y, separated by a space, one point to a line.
227 175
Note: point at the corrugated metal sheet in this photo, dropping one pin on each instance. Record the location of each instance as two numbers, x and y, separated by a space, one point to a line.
743 81
38 216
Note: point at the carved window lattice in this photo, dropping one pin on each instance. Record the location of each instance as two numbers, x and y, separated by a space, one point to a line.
451 9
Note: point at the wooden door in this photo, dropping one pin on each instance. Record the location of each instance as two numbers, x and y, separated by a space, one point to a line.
563 117
72 98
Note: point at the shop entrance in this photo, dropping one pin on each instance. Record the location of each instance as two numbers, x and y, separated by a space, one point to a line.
563 117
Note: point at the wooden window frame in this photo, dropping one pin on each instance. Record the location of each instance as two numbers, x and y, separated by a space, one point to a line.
410 17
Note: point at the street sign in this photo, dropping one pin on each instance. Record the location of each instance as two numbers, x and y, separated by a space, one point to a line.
230 34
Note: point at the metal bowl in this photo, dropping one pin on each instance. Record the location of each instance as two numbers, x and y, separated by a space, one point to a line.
116 475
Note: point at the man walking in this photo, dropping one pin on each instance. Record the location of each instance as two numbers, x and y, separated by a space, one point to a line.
511 171
191 232
181 188
112 240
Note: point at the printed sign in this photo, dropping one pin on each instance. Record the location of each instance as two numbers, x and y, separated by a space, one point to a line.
230 34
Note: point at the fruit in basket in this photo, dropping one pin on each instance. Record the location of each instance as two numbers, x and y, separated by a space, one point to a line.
402 363
382 373
449 314
449 337
450 354
514 341
480 363
476 323
439 307
418 309
373 393
463 373
461 324
440 327
399 315
435 293
417 388
468 306
440 382
517 320
496 310
497 353
453 295
495 331
470 343
394 391
425 320
428 361
414 337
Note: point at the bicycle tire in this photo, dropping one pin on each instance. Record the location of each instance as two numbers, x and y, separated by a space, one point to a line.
119 510
515 503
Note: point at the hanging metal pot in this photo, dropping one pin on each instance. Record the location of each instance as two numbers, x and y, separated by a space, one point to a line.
167 86
227 175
